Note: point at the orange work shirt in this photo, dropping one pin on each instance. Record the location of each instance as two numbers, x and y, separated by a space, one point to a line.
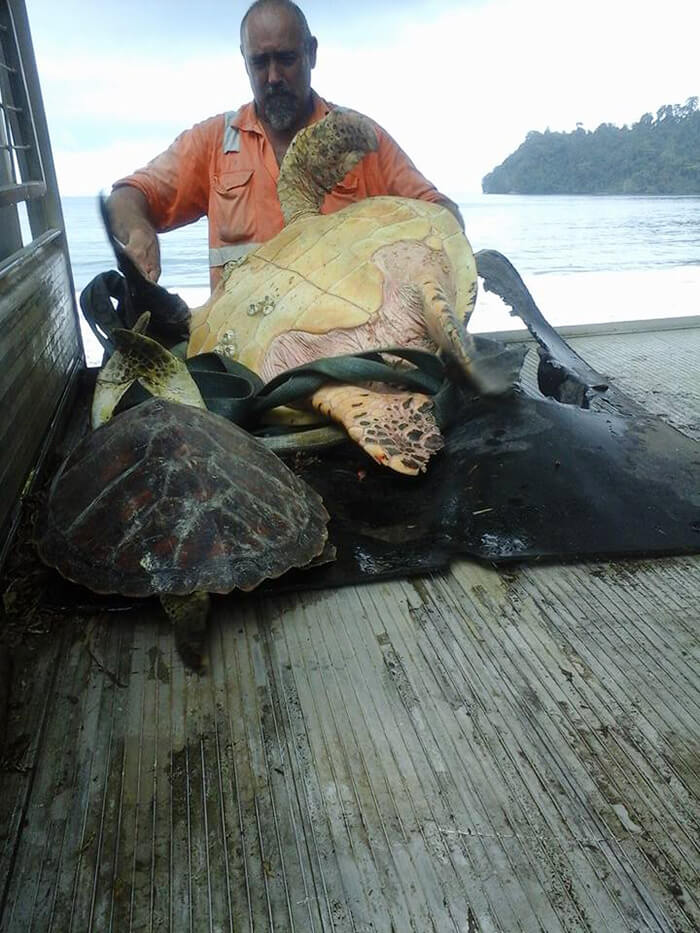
225 168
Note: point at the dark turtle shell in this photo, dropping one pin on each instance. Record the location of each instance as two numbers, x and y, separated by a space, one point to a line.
167 498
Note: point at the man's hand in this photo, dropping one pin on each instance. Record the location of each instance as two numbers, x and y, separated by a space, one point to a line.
144 249
131 223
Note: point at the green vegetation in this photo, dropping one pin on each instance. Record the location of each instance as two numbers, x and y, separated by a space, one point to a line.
657 155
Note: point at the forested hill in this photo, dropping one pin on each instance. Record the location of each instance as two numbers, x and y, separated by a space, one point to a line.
657 155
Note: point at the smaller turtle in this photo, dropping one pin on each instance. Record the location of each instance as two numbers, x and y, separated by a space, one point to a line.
169 499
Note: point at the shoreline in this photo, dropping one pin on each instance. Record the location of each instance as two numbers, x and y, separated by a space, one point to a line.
565 298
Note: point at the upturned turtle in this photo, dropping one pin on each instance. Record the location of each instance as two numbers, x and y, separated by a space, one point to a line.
385 271
170 499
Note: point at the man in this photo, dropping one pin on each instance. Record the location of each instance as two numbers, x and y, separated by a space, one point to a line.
227 167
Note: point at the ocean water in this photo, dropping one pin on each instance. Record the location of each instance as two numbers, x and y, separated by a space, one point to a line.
586 260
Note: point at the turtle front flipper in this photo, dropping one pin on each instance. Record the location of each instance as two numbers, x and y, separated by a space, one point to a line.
490 367
189 615
397 429
319 157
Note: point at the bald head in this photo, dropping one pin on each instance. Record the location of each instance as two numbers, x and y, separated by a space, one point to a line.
279 53
287 5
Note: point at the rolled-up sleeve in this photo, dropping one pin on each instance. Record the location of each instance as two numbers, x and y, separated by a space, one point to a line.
176 183
397 175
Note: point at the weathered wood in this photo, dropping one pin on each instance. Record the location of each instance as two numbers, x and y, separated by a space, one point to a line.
475 751
39 349
24 733
5 673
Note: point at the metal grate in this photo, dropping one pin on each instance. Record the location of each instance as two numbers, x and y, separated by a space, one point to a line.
22 176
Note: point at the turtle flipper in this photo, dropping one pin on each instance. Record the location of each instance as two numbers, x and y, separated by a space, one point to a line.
397 429
138 357
490 367
188 615
319 157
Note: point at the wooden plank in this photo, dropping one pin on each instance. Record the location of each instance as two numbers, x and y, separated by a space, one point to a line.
5 678
555 621
39 347
608 329
472 751
34 662
659 370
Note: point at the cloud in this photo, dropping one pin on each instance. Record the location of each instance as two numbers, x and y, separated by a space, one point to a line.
154 91
461 92
87 172
458 85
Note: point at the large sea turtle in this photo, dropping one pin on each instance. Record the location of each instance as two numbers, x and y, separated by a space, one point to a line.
169 499
385 271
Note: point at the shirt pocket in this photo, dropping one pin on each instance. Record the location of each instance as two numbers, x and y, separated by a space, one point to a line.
234 208
228 184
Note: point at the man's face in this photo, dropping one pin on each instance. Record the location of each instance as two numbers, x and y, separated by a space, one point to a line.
279 66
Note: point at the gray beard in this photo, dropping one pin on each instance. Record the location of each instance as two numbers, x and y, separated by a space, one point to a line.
281 110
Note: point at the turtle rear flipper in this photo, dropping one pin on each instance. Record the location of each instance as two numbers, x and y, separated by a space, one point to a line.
139 358
397 429
188 615
490 367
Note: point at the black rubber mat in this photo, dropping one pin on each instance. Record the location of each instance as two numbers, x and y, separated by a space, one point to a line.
576 469
520 479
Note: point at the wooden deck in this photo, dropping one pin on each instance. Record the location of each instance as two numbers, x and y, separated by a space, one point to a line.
480 750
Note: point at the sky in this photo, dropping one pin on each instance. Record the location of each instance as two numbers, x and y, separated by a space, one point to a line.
458 84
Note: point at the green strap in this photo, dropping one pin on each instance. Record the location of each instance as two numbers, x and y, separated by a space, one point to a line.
235 392
369 366
227 387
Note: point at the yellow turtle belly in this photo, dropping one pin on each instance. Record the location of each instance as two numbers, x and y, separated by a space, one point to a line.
334 283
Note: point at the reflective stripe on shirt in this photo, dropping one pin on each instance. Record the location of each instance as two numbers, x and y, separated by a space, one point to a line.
232 135
220 255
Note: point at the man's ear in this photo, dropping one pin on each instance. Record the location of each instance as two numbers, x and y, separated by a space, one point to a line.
312 49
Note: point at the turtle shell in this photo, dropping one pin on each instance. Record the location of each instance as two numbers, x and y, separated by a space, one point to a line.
168 498
352 272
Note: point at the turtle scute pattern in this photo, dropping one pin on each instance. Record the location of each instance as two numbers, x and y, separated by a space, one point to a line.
344 280
382 272
171 499
397 429
352 276
319 156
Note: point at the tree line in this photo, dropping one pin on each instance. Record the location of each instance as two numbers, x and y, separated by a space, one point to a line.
657 155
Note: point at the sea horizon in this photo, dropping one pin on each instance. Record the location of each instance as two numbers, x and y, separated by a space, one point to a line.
587 259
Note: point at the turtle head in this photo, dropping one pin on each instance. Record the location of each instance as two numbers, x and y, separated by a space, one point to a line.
138 358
